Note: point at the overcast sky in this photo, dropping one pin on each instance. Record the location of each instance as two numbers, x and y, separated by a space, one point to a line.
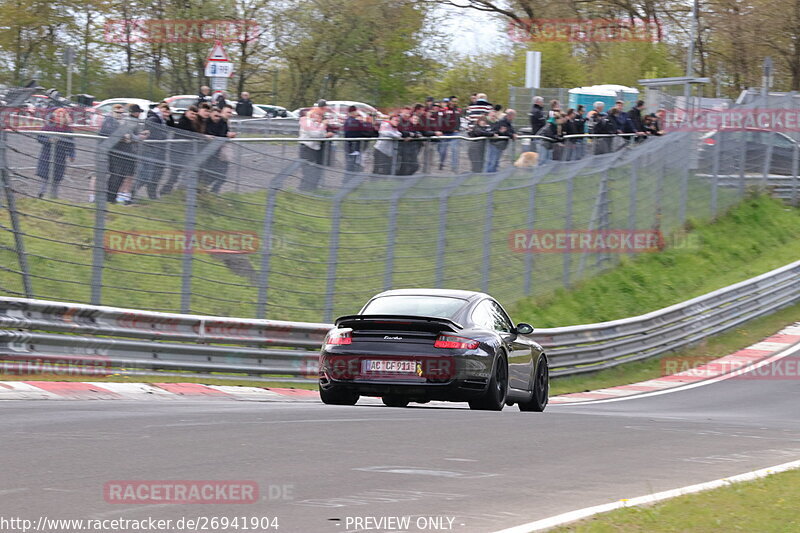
473 31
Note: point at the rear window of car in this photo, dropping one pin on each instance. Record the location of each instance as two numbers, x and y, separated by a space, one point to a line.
435 306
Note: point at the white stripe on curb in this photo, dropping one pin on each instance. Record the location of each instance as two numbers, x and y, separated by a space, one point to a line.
580 514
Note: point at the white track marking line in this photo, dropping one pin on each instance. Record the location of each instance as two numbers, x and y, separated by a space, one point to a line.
587 512
780 355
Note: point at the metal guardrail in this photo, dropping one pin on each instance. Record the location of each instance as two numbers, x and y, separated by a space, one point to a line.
74 334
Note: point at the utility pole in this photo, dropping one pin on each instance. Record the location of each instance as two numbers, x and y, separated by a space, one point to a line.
69 59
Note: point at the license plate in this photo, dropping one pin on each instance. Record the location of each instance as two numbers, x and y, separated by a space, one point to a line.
388 366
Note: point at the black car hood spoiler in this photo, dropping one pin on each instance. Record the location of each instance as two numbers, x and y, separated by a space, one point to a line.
427 323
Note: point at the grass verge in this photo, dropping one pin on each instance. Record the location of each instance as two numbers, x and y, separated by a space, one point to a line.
765 505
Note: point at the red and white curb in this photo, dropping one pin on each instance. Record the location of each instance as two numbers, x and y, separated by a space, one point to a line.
76 390
737 361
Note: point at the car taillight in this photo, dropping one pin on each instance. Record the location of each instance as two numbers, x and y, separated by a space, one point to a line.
710 141
451 341
338 338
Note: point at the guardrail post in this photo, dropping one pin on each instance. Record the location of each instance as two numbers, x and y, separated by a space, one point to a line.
795 154
565 275
487 228
192 184
441 239
19 245
392 229
333 246
100 192
266 234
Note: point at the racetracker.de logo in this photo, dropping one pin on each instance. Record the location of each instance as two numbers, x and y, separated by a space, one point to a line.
179 242
782 120
181 492
787 368
584 30
585 241
180 31
61 365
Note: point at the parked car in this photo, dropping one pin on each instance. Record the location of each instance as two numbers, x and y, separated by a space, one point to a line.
417 345
180 102
756 143
276 111
340 107
104 108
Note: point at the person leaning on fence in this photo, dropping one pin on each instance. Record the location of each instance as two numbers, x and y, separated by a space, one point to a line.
312 128
181 152
217 164
355 128
386 147
504 130
154 152
55 149
478 148
552 131
122 157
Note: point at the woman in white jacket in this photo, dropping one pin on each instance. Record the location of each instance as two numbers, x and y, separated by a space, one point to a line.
386 147
312 128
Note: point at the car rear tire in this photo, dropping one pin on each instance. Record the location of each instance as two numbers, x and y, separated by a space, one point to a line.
541 389
494 399
394 401
334 396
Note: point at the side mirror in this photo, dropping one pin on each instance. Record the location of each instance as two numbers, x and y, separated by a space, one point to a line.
524 329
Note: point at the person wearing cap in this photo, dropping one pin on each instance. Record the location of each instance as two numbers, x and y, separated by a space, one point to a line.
122 156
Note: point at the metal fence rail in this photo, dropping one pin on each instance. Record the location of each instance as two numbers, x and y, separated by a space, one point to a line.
322 238
73 335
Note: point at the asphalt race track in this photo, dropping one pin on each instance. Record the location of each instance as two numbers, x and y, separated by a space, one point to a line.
320 467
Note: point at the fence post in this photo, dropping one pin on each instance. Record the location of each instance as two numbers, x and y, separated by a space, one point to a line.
441 239
767 165
392 230
487 228
19 245
100 192
795 155
684 192
266 246
193 175
633 199
743 155
530 222
333 242
715 174
565 275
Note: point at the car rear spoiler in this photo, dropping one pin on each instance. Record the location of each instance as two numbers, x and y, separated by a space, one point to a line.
428 323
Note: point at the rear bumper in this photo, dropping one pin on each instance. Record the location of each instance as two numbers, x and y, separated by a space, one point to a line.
457 390
459 377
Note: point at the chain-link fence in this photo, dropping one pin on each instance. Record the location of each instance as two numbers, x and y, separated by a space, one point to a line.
250 228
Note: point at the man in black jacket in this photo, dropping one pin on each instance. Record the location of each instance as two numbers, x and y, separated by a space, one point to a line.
244 107
154 154
217 164
537 115
354 128
504 130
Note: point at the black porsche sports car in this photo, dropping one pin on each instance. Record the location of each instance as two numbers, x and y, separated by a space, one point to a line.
417 345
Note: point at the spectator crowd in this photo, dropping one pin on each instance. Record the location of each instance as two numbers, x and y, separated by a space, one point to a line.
134 165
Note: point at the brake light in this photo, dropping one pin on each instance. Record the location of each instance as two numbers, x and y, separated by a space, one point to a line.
340 337
450 341
710 141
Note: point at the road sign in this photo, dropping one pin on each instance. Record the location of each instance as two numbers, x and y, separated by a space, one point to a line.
218 53
219 84
219 69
